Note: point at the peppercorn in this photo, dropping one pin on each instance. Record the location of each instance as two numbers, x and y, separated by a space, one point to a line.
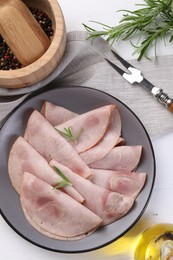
44 20
8 61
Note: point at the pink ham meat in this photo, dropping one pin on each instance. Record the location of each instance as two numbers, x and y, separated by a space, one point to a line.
124 158
108 205
56 115
54 213
91 125
23 157
51 145
109 140
127 183
121 141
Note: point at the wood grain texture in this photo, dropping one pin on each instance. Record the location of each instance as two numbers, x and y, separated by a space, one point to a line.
44 65
170 107
22 32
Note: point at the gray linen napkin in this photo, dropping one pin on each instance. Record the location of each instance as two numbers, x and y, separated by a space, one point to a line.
83 64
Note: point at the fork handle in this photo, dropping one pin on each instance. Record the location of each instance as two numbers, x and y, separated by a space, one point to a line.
170 107
158 93
163 98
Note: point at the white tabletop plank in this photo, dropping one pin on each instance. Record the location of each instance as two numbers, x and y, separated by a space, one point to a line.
159 210
13 246
78 12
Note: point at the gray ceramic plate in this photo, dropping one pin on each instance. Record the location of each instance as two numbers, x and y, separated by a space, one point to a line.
78 99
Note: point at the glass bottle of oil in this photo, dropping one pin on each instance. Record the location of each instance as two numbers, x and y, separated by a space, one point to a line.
155 243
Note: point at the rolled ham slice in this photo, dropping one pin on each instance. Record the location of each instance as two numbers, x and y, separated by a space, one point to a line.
120 158
54 213
127 183
23 157
91 126
56 115
108 141
108 205
51 145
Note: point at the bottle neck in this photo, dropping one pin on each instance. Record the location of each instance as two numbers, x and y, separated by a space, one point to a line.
166 251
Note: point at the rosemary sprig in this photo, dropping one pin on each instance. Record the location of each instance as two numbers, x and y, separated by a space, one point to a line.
152 21
65 181
68 134
60 184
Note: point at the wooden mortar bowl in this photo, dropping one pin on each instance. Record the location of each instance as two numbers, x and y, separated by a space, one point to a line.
42 67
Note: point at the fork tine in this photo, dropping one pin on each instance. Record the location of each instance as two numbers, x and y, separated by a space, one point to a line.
124 62
119 70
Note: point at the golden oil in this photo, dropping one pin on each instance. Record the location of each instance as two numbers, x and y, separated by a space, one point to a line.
155 243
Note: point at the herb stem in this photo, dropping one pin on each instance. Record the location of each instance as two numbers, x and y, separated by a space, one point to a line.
153 20
68 134
65 181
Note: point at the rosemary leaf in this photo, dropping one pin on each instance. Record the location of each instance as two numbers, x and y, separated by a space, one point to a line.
153 20
61 174
65 181
68 134
60 184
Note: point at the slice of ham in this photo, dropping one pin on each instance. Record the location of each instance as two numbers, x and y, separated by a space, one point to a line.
121 141
125 158
91 125
56 115
109 140
23 157
51 145
54 213
108 205
127 183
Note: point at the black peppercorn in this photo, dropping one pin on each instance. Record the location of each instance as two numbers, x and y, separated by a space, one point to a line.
7 59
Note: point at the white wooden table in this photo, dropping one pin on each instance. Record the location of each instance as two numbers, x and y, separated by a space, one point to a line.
159 209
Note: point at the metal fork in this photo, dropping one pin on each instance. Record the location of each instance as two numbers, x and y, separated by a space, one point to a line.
135 76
